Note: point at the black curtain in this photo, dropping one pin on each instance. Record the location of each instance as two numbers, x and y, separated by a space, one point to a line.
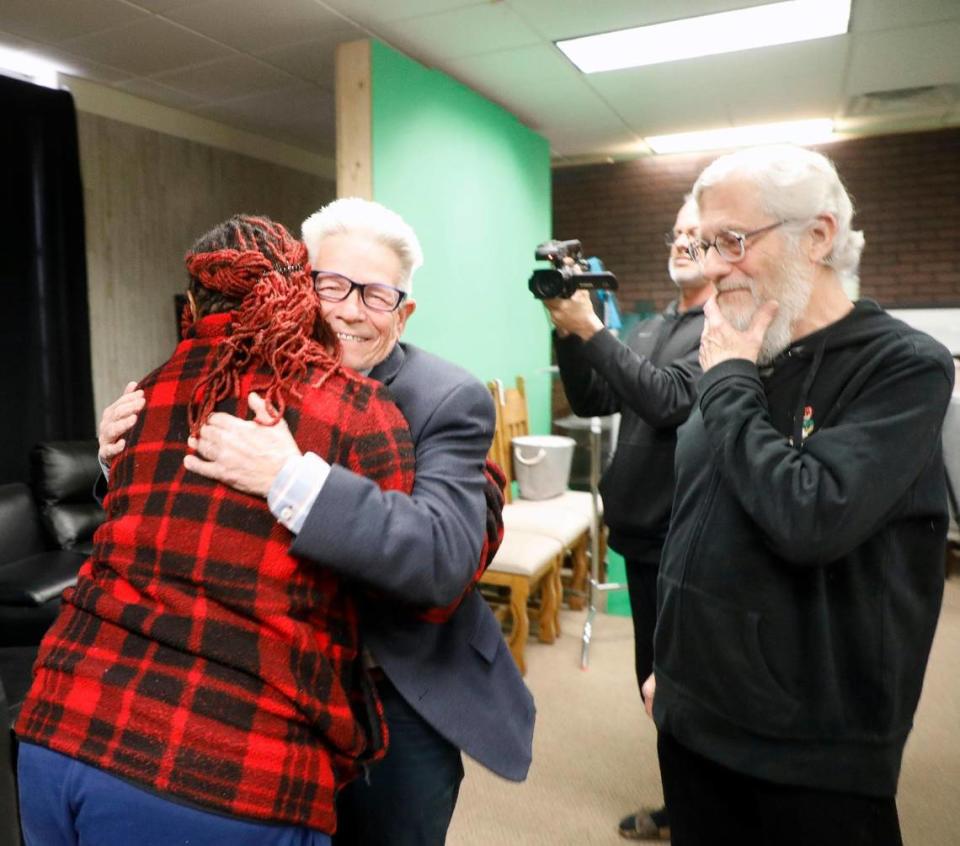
45 372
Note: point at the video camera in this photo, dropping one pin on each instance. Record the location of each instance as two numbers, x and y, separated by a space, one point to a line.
564 277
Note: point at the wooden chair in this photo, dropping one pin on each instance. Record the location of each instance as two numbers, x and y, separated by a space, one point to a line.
527 564
567 518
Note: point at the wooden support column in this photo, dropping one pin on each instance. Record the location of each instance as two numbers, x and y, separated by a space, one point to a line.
354 124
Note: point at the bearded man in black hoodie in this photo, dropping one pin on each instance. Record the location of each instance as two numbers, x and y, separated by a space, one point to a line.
802 576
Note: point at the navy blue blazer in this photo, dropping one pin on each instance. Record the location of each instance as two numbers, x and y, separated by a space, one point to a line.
422 550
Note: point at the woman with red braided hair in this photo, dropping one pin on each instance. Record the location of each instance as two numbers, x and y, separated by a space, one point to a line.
201 685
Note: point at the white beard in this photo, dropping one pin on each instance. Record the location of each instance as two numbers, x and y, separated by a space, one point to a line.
791 288
684 277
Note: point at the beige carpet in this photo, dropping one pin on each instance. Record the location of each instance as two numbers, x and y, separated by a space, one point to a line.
595 756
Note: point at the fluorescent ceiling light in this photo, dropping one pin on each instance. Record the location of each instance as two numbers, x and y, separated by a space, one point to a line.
709 35
31 68
815 131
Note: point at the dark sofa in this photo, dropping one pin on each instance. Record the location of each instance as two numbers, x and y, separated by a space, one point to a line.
46 531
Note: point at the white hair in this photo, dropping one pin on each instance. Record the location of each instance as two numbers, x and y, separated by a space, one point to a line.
353 215
795 185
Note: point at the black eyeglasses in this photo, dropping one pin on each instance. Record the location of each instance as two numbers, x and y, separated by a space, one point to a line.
730 246
335 288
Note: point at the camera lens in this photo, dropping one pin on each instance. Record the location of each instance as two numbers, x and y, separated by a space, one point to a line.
548 284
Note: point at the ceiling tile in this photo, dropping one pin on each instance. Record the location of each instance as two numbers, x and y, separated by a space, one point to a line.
926 55
536 83
152 90
9 41
890 14
224 78
804 81
255 25
301 114
53 21
84 68
578 19
160 6
312 60
379 11
464 32
731 89
148 47
576 140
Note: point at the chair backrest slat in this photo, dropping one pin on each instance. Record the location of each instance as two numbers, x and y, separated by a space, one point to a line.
512 421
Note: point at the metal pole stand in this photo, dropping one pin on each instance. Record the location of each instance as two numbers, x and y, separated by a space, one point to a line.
595 586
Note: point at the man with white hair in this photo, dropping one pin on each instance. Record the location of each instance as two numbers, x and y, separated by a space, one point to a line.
651 378
802 576
447 681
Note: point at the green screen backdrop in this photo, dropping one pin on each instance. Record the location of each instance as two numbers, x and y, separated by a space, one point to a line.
475 185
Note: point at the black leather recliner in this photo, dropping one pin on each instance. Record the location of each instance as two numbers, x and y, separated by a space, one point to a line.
46 531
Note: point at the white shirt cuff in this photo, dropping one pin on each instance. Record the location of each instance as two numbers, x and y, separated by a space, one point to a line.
296 488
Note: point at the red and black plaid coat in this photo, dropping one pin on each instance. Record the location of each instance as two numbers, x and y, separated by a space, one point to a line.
195 656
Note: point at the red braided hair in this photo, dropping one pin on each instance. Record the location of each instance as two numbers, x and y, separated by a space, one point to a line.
259 266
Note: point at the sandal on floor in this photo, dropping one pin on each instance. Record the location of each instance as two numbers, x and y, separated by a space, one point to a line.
642 826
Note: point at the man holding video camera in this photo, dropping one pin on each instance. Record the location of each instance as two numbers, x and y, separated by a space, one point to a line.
651 379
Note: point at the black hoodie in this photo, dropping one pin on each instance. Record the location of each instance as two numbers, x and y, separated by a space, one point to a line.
803 573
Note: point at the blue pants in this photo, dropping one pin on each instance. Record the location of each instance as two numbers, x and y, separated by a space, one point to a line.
407 798
64 802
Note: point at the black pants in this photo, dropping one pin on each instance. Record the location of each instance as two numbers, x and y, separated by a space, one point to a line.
642 587
408 798
710 804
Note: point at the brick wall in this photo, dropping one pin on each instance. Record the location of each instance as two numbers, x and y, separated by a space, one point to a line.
905 189
906 194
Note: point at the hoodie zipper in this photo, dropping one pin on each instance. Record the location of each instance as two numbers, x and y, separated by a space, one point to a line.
706 503
807 386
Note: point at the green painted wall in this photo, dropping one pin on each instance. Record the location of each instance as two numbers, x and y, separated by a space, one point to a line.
475 185
618 601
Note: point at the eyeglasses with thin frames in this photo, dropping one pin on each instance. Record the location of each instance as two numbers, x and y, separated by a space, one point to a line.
730 246
671 238
335 288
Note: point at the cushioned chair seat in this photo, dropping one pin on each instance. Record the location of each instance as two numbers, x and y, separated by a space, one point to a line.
564 518
578 501
527 563
560 524
525 553
36 580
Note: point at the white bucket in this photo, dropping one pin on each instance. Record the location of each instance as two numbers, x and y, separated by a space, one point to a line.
541 464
